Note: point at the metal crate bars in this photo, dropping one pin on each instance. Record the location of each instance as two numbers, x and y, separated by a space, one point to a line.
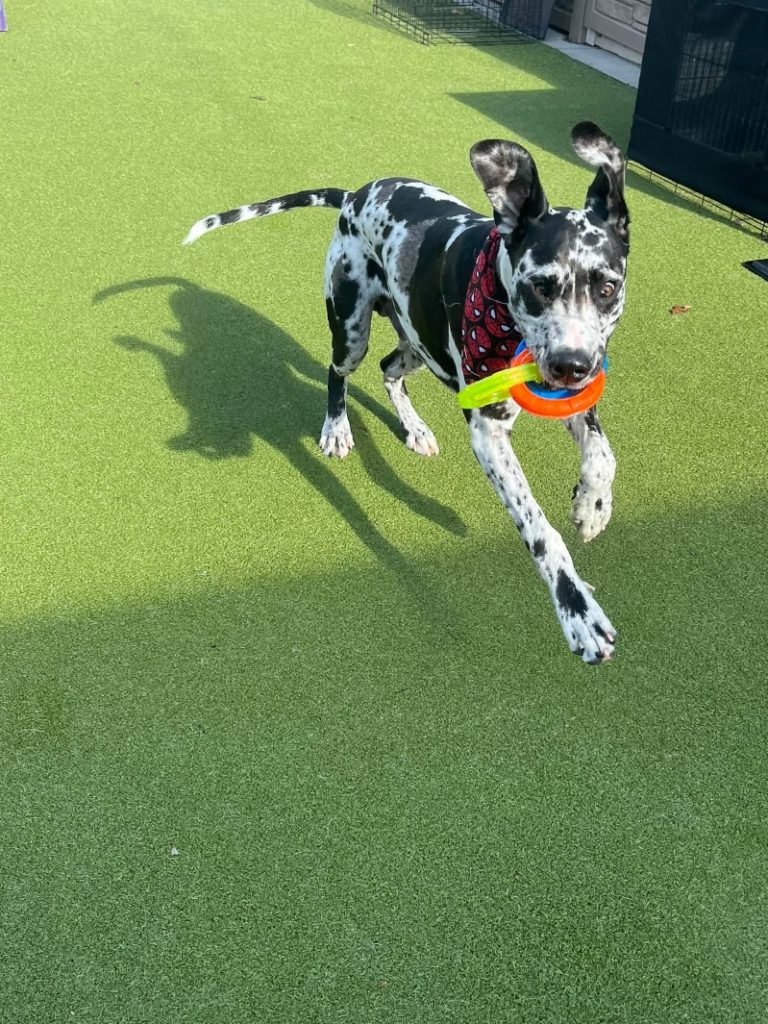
721 93
480 22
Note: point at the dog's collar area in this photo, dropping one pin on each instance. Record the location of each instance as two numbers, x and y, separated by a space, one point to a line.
488 334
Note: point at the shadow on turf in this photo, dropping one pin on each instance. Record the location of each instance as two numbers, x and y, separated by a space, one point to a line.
544 117
239 376
686 594
353 12
313 769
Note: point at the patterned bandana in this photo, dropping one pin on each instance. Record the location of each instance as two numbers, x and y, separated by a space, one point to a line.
488 335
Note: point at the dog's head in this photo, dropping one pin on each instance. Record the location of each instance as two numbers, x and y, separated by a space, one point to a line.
563 269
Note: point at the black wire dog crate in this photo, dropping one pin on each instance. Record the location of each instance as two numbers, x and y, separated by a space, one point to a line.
467 21
702 107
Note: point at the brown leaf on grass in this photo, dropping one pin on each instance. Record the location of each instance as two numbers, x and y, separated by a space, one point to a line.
680 309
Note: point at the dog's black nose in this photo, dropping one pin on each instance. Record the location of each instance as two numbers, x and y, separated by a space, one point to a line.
570 365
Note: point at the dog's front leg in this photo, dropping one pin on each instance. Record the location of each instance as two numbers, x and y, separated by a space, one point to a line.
592 495
585 625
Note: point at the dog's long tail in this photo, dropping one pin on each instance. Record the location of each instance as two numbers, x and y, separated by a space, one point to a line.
296 200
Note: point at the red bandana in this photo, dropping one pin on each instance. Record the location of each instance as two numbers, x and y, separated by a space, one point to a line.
487 331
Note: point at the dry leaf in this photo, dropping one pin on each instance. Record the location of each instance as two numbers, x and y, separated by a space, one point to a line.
680 309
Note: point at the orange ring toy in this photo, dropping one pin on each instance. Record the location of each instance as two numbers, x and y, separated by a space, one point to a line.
559 408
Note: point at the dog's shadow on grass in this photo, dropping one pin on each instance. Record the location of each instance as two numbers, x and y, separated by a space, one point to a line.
240 377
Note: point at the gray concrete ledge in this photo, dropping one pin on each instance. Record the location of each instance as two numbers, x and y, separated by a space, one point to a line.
609 63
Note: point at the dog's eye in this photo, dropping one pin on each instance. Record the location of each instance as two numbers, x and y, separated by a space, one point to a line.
607 289
544 287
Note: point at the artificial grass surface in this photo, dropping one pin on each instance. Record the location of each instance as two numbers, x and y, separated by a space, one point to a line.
338 689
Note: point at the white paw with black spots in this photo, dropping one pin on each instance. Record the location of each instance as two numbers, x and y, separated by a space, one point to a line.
336 438
590 511
587 629
422 441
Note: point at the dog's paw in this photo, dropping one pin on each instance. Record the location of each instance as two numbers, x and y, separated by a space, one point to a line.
587 628
422 441
590 511
336 438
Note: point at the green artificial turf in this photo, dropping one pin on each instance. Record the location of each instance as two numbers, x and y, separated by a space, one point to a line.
294 741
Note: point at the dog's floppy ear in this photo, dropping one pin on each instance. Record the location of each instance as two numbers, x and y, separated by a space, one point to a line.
511 182
605 195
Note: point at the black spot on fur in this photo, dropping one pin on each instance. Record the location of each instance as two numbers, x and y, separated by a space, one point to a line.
411 206
389 361
230 217
590 417
360 197
570 599
426 311
340 310
353 229
599 504
345 298
375 272
526 298
546 241
386 232
343 225
539 548
336 394
496 411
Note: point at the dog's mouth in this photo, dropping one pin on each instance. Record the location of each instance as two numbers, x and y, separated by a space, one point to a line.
568 381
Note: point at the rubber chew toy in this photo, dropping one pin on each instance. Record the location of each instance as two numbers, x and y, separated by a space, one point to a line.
523 383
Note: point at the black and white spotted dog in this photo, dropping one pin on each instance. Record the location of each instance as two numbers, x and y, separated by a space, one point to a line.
407 250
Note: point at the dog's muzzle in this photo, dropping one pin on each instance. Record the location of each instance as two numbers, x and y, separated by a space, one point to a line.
569 368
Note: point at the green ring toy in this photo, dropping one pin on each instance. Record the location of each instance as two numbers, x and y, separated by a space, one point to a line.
523 383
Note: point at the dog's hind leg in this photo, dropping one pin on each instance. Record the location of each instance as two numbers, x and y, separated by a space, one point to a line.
592 495
349 305
396 367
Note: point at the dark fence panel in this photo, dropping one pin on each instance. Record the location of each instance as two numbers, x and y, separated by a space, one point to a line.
701 117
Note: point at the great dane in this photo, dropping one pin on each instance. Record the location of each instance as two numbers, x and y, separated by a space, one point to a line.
408 251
